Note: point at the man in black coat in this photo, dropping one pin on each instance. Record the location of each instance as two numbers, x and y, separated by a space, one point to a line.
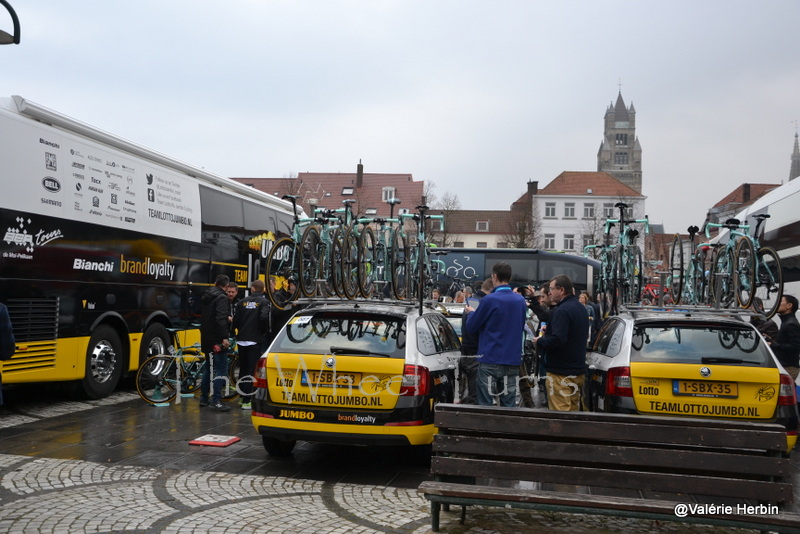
251 324
787 345
215 343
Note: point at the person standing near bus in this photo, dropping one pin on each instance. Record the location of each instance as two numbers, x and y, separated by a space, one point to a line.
251 324
8 345
786 345
215 343
564 344
499 322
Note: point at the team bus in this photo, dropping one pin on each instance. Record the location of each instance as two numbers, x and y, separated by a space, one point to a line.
528 266
106 244
781 230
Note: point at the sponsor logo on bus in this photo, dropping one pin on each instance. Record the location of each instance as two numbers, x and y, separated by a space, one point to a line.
49 143
157 270
51 184
22 236
86 265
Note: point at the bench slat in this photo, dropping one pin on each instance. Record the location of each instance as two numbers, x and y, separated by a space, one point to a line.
770 492
600 429
635 457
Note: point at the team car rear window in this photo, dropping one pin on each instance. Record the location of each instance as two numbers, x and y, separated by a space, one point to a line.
699 343
344 333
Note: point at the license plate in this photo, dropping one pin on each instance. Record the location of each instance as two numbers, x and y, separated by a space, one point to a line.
697 388
328 378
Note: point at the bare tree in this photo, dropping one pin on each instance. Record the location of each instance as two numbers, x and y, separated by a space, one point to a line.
523 227
441 234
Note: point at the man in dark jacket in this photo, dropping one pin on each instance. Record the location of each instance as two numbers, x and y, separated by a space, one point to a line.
787 345
215 343
564 343
251 324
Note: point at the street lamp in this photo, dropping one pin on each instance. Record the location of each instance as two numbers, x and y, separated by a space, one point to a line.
7 38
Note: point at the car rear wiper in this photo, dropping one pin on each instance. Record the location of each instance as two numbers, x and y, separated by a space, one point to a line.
348 350
714 359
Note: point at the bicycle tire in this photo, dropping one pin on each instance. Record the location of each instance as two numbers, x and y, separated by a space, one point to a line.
637 275
366 263
337 274
231 389
350 263
676 276
721 280
309 254
697 279
769 282
156 379
398 265
744 271
282 264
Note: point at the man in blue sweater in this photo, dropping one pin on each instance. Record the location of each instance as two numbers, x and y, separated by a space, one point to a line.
499 322
564 344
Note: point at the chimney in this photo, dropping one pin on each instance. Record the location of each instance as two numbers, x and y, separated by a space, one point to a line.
533 187
746 193
359 175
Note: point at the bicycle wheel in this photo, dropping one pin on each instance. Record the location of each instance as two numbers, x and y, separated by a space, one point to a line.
191 369
744 272
768 282
367 263
156 379
413 274
337 253
636 269
398 265
230 391
697 279
282 265
676 269
350 263
309 254
721 279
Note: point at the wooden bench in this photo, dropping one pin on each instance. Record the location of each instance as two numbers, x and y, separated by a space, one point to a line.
611 464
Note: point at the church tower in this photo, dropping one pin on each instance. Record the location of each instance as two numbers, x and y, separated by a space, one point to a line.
620 154
794 171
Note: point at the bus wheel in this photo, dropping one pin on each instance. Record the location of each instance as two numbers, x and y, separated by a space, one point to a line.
103 363
156 340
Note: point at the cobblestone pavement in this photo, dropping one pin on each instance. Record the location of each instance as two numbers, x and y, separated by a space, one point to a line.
54 490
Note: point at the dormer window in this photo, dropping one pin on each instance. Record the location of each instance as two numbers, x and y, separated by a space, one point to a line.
371 211
348 191
388 193
481 226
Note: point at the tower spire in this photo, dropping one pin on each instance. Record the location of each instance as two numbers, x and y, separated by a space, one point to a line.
794 171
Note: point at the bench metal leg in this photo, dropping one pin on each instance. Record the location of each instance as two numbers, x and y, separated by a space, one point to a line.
435 507
463 514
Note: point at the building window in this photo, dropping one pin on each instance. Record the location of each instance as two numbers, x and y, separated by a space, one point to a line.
569 241
437 225
348 191
502 245
608 211
569 210
629 213
458 244
550 209
388 194
549 241
588 210
371 211
620 158
481 226
621 139
588 240
483 244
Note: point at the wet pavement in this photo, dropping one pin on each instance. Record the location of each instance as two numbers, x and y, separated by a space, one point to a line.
120 464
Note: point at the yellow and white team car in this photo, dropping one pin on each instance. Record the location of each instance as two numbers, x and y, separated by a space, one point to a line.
689 364
357 373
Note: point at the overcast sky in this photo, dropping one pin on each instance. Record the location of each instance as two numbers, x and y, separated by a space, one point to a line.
476 96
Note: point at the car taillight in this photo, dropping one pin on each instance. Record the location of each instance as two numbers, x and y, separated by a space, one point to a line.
416 381
618 382
261 373
787 395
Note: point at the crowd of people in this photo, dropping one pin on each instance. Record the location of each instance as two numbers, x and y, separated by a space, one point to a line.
559 324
